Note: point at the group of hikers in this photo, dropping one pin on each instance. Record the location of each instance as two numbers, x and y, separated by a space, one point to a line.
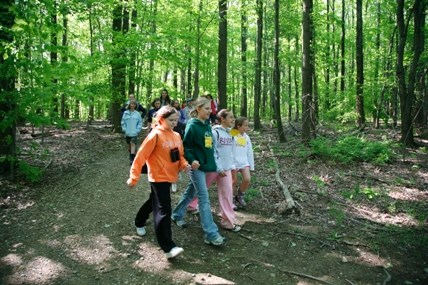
210 148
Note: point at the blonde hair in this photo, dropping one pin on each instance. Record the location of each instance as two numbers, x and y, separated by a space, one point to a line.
199 103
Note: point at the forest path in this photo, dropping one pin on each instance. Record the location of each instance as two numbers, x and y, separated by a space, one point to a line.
76 227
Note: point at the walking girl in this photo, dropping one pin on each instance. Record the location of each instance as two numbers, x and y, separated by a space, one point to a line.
223 153
162 150
131 125
243 160
199 151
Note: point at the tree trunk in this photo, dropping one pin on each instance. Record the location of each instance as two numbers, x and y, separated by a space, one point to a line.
342 49
64 106
277 77
244 36
361 119
307 72
7 83
54 60
91 114
198 51
117 70
258 66
222 55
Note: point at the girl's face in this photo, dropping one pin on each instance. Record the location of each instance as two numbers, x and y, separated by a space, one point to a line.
176 105
132 106
228 121
163 94
157 104
204 112
171 121
244 127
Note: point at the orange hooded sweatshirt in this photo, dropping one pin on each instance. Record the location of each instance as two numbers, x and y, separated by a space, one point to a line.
156 152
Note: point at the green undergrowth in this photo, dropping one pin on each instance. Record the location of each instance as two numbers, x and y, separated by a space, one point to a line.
348 149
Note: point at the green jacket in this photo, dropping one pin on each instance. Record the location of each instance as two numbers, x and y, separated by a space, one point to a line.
198 145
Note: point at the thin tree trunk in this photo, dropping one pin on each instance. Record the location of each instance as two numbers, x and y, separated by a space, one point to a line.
277 77
361 118
307 71
258 66
244 36
222 55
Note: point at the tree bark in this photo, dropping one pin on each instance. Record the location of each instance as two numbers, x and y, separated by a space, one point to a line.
222 55
244 36
277 77
258 66
307 72
361 118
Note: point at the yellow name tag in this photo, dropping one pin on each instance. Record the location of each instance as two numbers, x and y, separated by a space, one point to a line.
208 142
241 141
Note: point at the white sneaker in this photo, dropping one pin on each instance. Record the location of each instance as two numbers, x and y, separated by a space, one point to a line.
174 187
141 231
174 252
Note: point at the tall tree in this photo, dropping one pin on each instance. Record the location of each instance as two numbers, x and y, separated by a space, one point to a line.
198 50
244 36
342 48
277 77
7 85
361 118
307 73
258 65
406 92
222 55
117 67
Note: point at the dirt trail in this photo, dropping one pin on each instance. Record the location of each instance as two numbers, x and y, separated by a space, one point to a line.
77 228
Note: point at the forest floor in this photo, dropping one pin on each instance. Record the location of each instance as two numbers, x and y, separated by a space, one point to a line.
356 224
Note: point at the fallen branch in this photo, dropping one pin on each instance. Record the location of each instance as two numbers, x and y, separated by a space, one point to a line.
292 272
388 277
290 204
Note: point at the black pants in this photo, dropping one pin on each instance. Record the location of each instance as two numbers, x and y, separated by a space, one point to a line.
144 213
160 197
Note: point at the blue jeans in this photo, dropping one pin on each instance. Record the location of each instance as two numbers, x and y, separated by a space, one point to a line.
198 186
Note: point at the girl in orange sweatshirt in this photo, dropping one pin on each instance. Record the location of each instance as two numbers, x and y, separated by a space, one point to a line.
163 152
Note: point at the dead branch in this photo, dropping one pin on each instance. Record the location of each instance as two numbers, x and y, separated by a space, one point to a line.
306 236
388 277
292 272
290 204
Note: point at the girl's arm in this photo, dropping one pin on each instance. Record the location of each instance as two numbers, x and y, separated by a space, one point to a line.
143 154
250 153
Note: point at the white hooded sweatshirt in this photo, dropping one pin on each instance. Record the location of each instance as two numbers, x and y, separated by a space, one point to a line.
223 148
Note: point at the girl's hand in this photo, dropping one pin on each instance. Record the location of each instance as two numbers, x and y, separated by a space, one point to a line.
187 169
130 185
195 164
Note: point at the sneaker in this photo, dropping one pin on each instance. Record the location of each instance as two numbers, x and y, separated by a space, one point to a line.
175 251
217 242
234 207
141 231
240 199
180 223
174 187
235 229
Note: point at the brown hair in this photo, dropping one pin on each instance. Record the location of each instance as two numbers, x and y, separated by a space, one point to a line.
239 122
222 114
165 112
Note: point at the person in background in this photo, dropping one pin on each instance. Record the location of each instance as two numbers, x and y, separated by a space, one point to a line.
131 125
188 109
156 104
199 152
243 160
213 116
223 153
164 98
162 150
176 105
139 107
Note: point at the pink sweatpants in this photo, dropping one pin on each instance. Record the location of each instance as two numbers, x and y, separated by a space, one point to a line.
225 197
